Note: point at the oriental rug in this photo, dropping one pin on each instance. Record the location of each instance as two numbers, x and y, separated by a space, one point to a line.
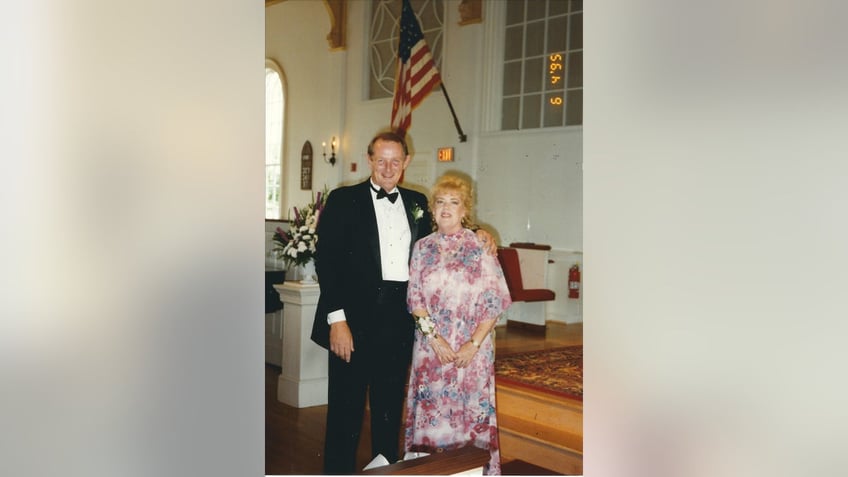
557 371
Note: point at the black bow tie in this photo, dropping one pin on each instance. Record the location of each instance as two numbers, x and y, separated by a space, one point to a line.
383 194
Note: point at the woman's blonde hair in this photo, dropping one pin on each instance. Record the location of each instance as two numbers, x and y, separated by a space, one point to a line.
457 185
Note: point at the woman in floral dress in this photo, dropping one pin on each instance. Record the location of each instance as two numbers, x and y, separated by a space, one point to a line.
456 293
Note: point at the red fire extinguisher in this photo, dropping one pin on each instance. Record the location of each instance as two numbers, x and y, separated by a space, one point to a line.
574 281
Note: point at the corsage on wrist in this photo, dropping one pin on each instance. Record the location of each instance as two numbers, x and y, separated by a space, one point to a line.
426 326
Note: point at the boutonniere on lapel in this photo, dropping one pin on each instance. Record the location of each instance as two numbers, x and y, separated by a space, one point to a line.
417 212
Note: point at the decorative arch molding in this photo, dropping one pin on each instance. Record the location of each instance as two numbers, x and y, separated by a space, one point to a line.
337 10
470 11
338 19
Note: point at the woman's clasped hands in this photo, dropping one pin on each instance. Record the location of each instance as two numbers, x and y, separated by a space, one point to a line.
461 357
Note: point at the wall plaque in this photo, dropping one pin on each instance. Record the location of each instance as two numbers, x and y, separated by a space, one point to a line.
306 166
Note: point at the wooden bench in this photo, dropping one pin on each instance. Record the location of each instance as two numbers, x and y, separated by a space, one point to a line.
466 460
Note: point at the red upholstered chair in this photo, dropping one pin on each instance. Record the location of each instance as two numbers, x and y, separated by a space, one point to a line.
511 265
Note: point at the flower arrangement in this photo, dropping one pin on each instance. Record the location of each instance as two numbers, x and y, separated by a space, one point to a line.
297 246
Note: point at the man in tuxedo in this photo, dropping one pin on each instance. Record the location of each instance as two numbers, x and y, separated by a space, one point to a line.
366 232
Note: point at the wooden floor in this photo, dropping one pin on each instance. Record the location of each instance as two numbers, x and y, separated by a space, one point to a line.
294 438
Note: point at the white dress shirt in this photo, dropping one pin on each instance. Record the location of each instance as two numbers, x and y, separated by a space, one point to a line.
395 236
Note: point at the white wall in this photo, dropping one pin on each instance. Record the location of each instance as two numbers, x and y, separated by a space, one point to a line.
530 187
522 177
295 34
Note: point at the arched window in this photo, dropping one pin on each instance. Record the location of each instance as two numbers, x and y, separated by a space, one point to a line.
274 116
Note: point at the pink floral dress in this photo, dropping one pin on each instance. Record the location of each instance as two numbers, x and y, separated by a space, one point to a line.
460 286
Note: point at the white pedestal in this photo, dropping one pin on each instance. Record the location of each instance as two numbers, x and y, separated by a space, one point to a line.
274 338
530 312
303 380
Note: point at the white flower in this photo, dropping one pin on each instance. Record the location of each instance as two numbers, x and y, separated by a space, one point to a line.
425 325
417 212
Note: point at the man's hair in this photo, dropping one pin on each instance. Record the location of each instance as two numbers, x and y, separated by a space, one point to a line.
389 136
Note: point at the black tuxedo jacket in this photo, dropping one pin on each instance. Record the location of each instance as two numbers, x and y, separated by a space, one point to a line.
348 255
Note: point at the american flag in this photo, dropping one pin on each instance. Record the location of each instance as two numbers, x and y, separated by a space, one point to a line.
417 74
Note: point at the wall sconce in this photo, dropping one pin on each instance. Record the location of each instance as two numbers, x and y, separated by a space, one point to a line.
332 159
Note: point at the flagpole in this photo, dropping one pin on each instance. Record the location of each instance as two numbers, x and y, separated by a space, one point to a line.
462 136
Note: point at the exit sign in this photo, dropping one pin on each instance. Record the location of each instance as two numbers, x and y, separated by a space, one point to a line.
445 154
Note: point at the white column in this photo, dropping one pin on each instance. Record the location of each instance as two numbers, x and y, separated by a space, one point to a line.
303 381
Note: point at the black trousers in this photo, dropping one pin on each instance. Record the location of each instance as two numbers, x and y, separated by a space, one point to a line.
378 367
